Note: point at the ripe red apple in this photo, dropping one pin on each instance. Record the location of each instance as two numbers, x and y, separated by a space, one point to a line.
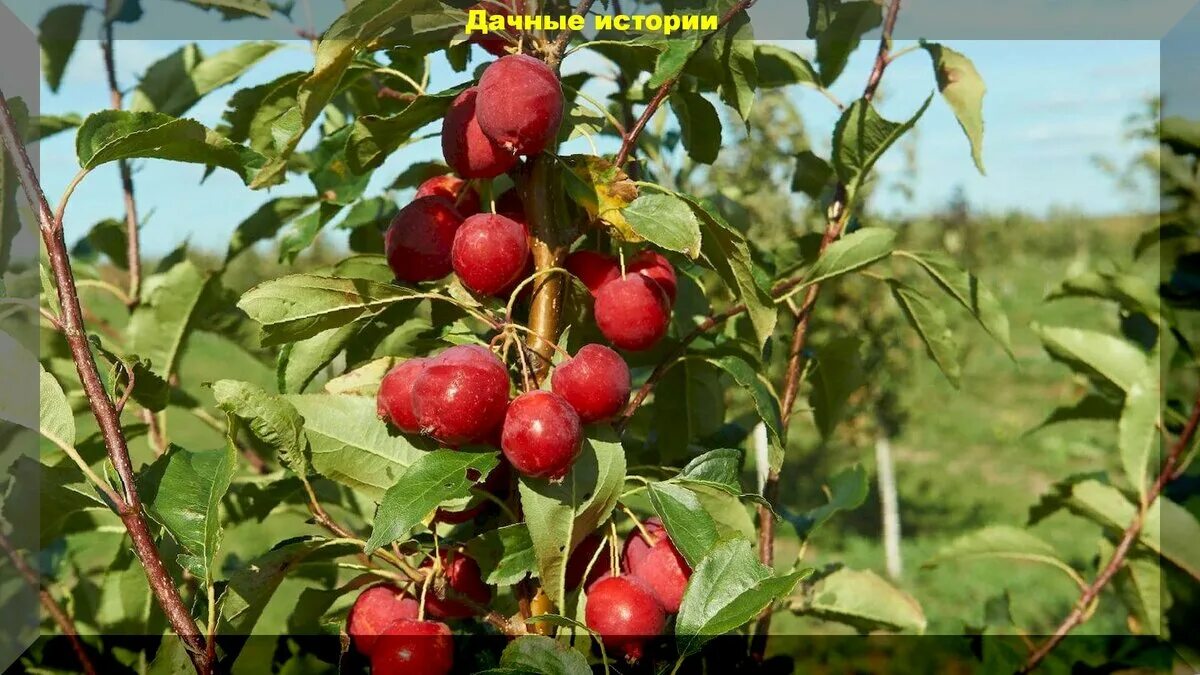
419 239
461 395
595 382
467 150
374 611
394 402
637 547
593 269
581 557
632 312
465 199
520 104
492 43
489 253
665 573
464 576
542 435
656 266
624 613
411 647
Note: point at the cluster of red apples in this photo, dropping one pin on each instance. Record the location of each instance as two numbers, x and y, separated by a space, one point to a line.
625 609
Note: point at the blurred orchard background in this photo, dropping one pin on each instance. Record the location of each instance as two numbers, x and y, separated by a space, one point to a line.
1070 157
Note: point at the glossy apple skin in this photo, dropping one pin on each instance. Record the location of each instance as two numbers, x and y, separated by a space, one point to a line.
542 435
411 647
658 564
656 266
394 402
461 395
374 611
466 148
593 269
464 576
633 312
419 239
490 251
520 104
465 199
636 546
595 382
624 613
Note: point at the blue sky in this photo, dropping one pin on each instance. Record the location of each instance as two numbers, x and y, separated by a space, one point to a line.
1051 107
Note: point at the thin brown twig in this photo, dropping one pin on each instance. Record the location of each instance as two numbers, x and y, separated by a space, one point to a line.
102 406
664 90
55 610
554 56
133 245
1079 614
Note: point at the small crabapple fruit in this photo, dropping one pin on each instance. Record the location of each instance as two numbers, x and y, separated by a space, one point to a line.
656 266
461 395
412 647
624 613
593 269
394 402
463 576
542 435
633 312
465 198
520 104
419 239
376 609
465 147
595 382
489 252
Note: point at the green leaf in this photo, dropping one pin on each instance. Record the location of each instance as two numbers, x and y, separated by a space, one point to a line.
847 490
300 362
171 658
113 135
852 252
727 589
434 478
812 174
332 176
373 138
44 126
270 417
690 527
1139 584
159 327
838 372
234 9
849 23
1181 134
266 222
963 88
562 514
734 51
58 32
300 306
45 497
1137 432
665 220
1134 294
506 553
860 598
765 402
1106 360
303 231
726 250
351 446
183 492
965 288
780 67
860 138
672 59
55 420
689 404
699 126
351 34
721 469
541 654
1091 407
930 323
106 237
175 83
1004 542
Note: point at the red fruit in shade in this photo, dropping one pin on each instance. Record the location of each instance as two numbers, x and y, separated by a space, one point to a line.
490 251
637 547
411 647
461 395
520 104
593 269
581 557
419 240
394 402
624 613
462 575
656 266
665 573
595 382
494 43
632 312
374 611
542 435
465 199
467 150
